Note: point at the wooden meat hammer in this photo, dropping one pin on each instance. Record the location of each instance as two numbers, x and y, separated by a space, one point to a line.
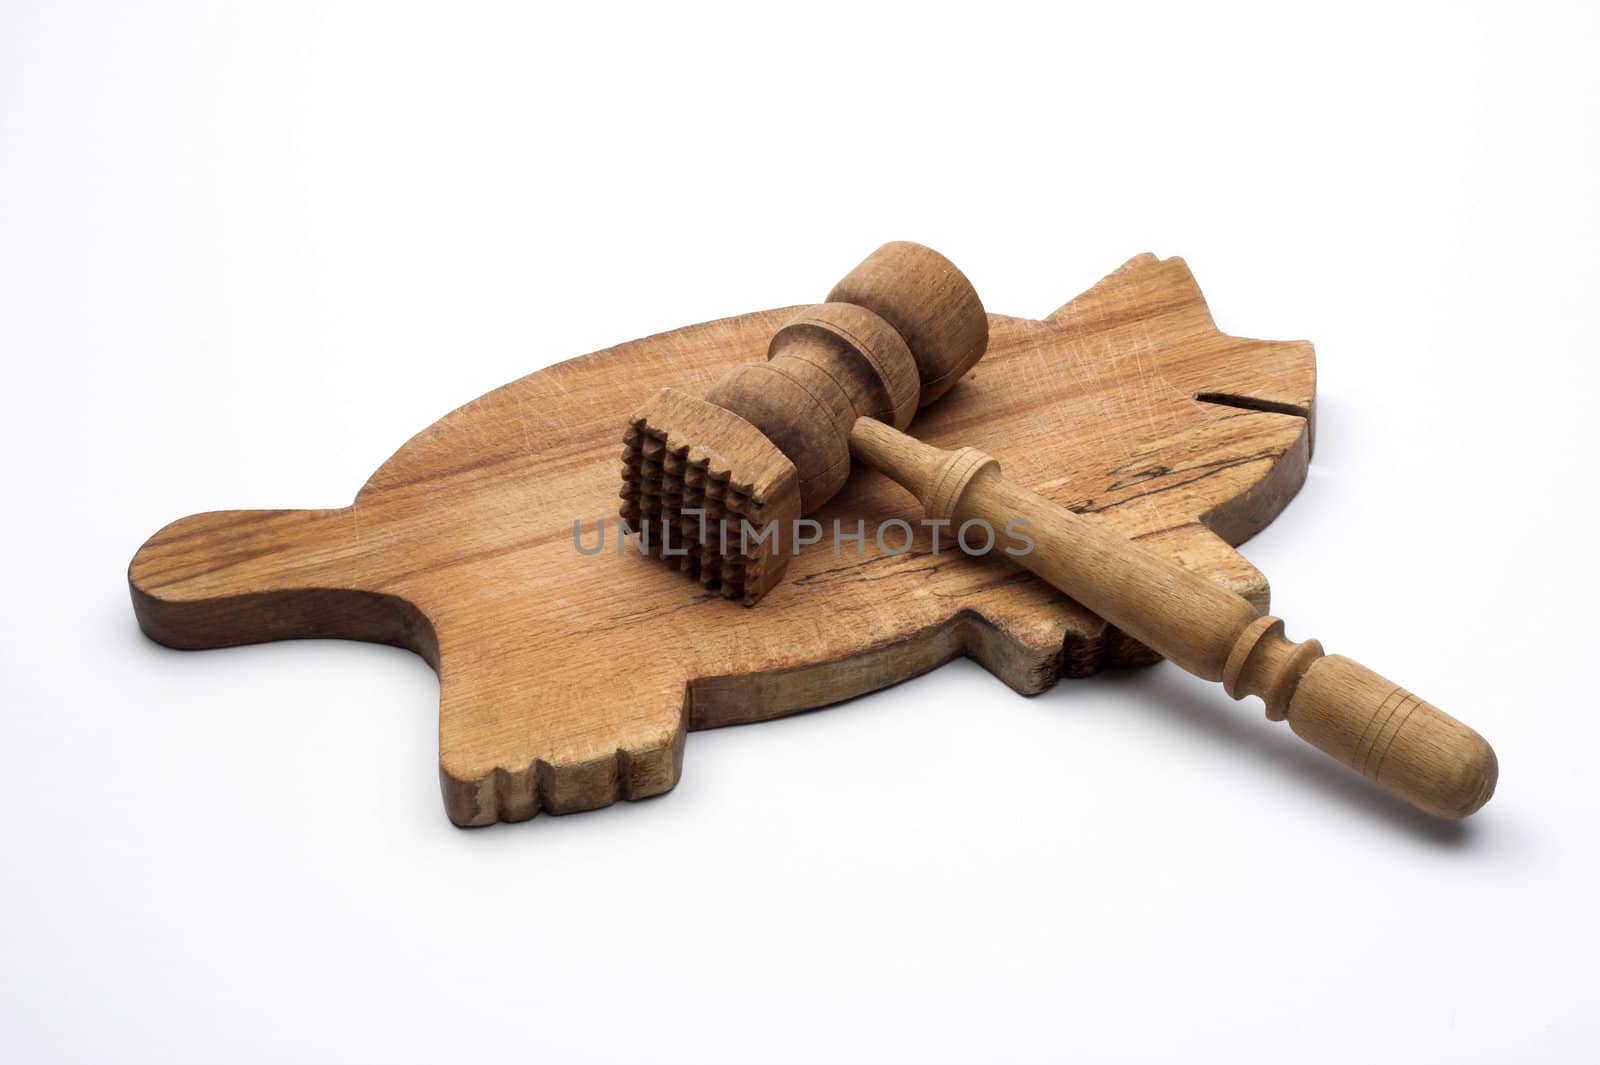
772 441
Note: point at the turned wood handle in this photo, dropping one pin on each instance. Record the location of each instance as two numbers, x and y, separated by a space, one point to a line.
1338 706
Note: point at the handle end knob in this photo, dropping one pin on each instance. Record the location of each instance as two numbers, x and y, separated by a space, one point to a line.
1393 738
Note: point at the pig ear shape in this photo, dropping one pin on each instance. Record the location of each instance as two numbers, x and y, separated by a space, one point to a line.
235 577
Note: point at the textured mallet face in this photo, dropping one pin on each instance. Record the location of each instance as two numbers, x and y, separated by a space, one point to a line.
705 492
716 485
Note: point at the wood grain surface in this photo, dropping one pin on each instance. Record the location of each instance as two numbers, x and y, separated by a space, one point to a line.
568 681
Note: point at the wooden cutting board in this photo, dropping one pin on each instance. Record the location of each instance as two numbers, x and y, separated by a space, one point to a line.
568 681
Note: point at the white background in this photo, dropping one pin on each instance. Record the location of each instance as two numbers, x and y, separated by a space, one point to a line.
244 254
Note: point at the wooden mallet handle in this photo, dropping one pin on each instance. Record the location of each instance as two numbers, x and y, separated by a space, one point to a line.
1342 708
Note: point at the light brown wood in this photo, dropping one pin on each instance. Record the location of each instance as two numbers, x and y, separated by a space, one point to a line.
567 682
817 402
1344 709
